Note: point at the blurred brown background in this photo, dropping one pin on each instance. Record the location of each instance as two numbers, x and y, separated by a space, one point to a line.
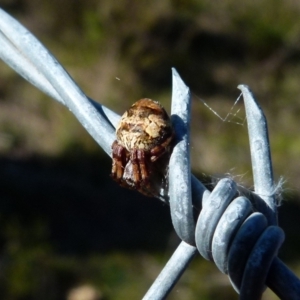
64 223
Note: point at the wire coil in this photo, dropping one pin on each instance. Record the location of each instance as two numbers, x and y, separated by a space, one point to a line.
238 239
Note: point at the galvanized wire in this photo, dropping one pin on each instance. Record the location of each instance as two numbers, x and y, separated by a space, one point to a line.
179 167
171 273
260 153
235 228
28 50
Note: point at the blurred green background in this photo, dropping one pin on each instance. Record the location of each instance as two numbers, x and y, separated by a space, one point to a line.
64 223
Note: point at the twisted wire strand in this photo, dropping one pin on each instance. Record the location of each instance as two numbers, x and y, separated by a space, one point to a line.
235 227
238 239
14 35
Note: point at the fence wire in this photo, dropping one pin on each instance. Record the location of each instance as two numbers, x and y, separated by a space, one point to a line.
233 227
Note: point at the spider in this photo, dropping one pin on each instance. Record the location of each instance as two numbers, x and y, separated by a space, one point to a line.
142 149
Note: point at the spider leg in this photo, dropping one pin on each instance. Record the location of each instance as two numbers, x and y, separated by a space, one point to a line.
161 149
141 156
135 168
119 161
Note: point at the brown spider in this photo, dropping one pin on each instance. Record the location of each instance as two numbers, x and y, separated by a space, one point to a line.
142 149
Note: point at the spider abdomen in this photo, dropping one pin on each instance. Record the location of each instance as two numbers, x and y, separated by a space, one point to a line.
144 126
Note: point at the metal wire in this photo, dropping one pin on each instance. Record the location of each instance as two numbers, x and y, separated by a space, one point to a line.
171 273
260 153
28 50
235 228
179 167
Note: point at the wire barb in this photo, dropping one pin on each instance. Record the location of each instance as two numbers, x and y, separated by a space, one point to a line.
260 153
179 167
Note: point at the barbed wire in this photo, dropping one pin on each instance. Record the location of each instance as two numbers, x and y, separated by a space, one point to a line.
233 227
